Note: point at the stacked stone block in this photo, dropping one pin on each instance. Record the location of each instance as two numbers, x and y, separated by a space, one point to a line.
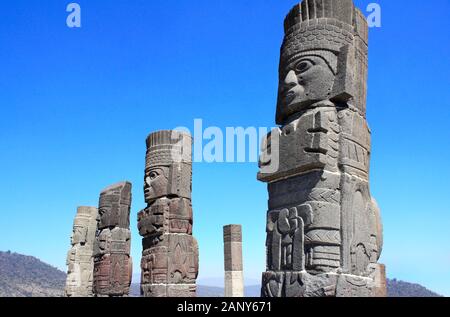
234 275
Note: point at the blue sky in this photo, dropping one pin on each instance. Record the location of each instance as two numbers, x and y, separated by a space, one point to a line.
77 105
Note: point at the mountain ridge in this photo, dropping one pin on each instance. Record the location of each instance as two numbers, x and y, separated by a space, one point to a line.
27 276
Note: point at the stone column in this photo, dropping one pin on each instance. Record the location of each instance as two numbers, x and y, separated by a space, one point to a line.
80 259
170 253
324 231
113 264
234 275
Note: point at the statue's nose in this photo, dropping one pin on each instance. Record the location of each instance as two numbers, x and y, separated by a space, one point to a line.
290 81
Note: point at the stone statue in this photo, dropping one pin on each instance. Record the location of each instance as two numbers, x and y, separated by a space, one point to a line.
324 231
80 259
170 252
113 263
234 271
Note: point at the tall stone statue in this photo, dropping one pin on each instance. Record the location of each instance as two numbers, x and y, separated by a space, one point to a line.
80 259
170 252
113 263
324 232
234 269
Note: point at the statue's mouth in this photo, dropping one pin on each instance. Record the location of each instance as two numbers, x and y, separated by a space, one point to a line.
289 97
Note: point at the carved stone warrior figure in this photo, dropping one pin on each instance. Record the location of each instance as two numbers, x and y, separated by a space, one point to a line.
170 252
80 259
113 263
324 232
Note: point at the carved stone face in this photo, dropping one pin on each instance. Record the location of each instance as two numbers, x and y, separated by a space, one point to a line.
105 210
304 80
156 183
108 212
79 235
114 206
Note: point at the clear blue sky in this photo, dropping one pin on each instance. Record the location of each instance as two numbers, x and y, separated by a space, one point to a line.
77 105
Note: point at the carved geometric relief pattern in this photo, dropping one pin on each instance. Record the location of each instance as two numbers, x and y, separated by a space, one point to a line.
324 194
325 236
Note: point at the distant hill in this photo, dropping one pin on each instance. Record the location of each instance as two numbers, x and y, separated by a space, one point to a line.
403 289
26 276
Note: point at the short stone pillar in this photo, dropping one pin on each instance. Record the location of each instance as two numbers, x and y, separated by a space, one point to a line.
234 276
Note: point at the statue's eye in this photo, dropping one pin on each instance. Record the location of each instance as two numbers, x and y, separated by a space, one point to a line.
303 66
153 175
